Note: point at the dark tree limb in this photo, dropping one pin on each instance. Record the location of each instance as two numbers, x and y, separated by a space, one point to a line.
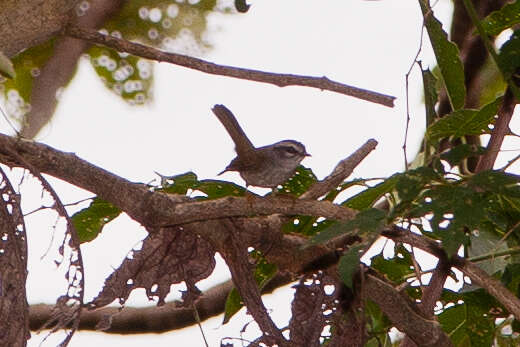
280 80
27 23
14 314
402 312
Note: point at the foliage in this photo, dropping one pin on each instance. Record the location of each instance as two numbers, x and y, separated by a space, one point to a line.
466 215
175 26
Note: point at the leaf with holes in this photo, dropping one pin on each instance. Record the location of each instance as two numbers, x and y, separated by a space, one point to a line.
464 122
90 221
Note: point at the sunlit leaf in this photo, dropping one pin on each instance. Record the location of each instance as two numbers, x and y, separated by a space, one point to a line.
27 66
300 182
499 20
89 222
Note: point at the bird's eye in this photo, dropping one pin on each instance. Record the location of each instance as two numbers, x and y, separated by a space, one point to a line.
291 150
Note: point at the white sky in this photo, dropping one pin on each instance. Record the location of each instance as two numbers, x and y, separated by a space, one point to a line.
368 44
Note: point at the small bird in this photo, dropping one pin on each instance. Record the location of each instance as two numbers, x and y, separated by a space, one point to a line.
267 166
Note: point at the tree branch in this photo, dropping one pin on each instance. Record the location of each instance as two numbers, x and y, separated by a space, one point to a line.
27 23
401 311
280 80
477 275
340 172
500 130
156 209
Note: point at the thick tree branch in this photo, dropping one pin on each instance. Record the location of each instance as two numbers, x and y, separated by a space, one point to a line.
280 80
401 311
27 23
156 209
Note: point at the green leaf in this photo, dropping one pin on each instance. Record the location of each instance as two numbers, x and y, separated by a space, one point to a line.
348 265
457 154
178 184
368 197
464 122
365 221
497 182
430 95
172 26
233 305
6 66
506 17
378 325
485 242
396 268
469 323
509 56
511 278
447 55
90 221
214 189
300 182
27 66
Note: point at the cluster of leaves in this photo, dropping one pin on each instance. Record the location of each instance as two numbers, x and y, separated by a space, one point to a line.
479 212
177 26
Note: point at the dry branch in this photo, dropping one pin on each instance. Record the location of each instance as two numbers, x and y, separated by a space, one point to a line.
280 80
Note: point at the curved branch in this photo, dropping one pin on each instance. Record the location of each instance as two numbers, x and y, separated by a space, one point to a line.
280 80
156 209
401 311
500 130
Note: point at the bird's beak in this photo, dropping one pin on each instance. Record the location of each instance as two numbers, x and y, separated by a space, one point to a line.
308 155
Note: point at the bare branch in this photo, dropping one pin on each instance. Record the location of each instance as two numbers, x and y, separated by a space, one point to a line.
501 129
341 171
280 80
235 253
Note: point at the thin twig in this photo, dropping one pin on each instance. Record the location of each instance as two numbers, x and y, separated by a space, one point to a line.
281 80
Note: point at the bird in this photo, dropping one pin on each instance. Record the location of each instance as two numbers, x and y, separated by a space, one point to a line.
267 166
